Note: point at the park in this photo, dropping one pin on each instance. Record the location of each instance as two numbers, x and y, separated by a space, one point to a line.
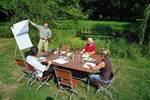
121 27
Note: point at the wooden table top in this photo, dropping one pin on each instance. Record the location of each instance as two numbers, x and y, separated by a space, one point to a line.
75 63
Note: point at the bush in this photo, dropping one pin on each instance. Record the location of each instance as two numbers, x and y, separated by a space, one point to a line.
5 31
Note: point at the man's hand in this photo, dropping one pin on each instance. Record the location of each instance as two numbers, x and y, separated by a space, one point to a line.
83 50
93 70
49 63
44 60
30 22
91 67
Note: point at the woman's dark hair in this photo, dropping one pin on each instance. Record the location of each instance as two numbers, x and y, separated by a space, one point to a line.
33 50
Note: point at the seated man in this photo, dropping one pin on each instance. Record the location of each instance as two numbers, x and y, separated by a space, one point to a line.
90 47
104 67
42 70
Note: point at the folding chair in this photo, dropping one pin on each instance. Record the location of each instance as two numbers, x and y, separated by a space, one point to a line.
31 71
25 70
65 47
66 84
41 80
104 87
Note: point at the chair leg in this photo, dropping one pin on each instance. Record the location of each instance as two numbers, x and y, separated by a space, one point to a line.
40 85
70 96
114 89
56 94
109 93
97 91
30 84
22 77
74 91
88 86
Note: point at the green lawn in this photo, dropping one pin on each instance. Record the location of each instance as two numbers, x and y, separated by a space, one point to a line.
132 83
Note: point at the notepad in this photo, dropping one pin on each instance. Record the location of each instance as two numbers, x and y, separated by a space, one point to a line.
89 64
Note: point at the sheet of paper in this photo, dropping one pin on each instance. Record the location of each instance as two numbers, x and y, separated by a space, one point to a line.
23 40
89 64
60 61
85 55
21 27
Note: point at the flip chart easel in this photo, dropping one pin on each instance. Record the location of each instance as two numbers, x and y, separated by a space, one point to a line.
20 32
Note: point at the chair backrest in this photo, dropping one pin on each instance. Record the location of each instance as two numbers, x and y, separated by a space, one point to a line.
77 50
65 47
64 77
25 66
116 71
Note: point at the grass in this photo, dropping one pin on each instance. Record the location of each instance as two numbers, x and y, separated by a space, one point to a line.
77 24
114 25
132 83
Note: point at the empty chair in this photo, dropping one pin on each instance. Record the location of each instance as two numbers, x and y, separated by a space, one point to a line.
66 83
64 49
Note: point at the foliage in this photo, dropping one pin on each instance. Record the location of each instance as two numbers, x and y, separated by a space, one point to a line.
114 9
42 9
144 27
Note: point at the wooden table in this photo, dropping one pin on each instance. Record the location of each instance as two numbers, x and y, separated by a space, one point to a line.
75 63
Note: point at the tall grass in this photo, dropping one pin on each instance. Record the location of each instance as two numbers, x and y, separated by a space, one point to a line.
119 47
65 33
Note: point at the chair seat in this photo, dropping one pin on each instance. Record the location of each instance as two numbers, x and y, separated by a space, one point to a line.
45 77
75 83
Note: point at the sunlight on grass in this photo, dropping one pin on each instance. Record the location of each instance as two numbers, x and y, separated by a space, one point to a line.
132 82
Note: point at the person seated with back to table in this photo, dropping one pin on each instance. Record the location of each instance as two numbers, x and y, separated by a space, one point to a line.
42 70
89 48
105 68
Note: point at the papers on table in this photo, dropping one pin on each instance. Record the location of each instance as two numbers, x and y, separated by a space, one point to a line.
60 61
85 55
88 59
20 32
89 64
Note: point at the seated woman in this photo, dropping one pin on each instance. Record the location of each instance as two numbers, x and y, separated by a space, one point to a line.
90 47
105 68
42 70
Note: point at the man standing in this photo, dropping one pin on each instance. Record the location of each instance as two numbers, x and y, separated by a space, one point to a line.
44 34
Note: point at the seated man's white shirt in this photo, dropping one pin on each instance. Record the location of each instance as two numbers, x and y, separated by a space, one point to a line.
37 65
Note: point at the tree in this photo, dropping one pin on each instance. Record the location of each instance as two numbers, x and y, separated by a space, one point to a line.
42 9
145 26
114 9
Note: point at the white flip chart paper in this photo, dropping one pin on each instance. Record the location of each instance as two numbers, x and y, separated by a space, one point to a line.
19 31
21 27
